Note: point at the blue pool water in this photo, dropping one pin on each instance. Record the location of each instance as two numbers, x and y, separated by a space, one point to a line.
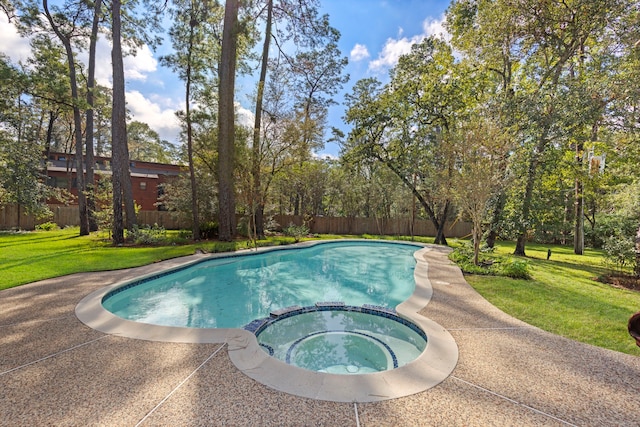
342 340
230 292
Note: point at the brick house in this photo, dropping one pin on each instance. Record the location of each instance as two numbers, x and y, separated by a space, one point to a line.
147 179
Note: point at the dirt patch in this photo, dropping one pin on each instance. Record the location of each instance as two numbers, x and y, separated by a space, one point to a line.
621 281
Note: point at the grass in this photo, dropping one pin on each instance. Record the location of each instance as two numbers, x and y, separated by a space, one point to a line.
562 297
30 256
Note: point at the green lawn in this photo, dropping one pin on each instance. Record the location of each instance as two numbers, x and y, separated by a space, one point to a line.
562 297
29 256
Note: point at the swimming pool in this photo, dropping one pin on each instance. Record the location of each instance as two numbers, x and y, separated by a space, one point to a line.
430 368
232 291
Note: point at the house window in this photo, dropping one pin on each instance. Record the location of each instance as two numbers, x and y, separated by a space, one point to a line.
143 185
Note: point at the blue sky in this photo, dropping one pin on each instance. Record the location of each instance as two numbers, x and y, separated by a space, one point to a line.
374 34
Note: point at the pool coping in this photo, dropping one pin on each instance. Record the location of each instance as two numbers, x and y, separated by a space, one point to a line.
433 366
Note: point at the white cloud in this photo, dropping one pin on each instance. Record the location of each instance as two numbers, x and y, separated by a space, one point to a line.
103 61
393 49
11 43
359 52
325 156
158 113
435 27
136 67
244 116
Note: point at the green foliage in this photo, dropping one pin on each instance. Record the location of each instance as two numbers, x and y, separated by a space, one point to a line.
271 224
47 226
609 225
147 235
104 205
242 227
512 267
208 229
146 145
296 231
619 252
493 265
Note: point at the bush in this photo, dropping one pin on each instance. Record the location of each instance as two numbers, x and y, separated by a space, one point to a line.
243 227
47 226
147 235
610 225
185 234
496 266
271 224
208 230
296 231
512 267
619 252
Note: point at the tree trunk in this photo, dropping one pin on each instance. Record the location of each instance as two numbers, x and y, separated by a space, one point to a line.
127 188
226 123
257 205
440 224
77 123
520 245
89 125
528 196
195 229
496 217
118 126
636 268
578 230
47 145
477 235
259 221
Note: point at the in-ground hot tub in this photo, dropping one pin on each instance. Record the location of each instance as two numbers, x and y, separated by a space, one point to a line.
339 339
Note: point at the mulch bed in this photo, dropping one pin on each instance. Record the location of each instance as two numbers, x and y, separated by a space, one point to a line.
621 281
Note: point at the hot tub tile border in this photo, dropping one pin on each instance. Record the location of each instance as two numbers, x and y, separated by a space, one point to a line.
259 325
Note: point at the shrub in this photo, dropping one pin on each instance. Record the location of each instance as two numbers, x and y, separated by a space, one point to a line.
147 235
512 267
243 227
271 224
619 252
185 234
296 231
496 266
208 230
47 226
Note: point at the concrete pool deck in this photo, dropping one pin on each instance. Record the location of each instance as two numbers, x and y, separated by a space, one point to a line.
54 370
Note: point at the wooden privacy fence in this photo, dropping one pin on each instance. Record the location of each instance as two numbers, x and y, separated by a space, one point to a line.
389 227
14 217
11 218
